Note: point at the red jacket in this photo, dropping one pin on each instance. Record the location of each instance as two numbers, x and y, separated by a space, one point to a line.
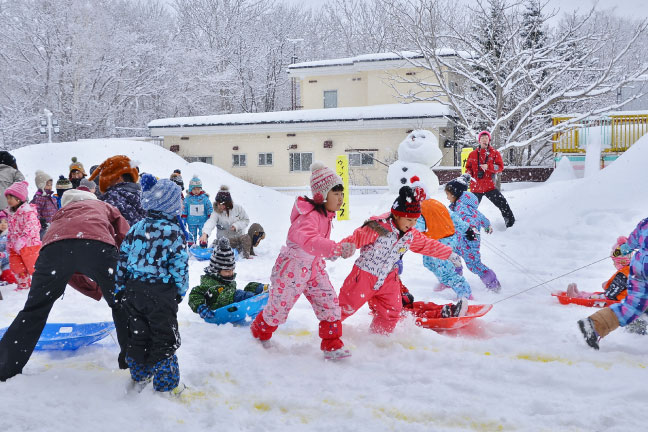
479 156
88 220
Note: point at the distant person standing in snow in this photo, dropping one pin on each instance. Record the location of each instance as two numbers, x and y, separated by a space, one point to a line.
77 172
82 238
606 320
44 200
483 164
230 219
118 185
9 175
197 208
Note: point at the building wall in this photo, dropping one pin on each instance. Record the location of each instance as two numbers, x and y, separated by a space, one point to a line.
362 88
220 148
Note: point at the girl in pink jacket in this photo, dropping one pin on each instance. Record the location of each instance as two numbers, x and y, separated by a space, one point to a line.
382 241
23 235
300 265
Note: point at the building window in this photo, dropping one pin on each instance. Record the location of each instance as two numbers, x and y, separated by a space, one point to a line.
361 159
204 159
239 160
300 161
265 159
330 99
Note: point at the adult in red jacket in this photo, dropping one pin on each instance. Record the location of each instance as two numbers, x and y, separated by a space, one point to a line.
82 238
483 164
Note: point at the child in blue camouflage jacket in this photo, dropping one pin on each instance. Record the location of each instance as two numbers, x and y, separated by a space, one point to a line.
151 280
465 204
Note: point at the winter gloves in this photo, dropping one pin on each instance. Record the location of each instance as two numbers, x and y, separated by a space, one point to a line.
470 234
345 250
489 230
455 259
205 312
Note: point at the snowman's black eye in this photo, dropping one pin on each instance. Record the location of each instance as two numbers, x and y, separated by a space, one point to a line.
404 169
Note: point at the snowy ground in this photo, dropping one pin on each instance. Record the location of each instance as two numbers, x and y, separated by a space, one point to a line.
523 367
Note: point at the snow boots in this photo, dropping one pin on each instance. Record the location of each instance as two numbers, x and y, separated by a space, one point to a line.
458 309
332 345
598 325
261 329
490 280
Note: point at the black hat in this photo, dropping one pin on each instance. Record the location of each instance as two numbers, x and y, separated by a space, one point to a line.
459 185
407 204
7 158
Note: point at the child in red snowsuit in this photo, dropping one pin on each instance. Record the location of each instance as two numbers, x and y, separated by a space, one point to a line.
300 265
383 240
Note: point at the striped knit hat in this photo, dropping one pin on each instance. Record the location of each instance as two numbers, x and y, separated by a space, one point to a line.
165 196
322 180
222 258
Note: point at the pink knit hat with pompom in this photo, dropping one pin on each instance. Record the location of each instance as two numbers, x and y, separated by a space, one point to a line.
19 190
322 180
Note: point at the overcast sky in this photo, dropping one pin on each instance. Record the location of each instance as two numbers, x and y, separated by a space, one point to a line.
628 8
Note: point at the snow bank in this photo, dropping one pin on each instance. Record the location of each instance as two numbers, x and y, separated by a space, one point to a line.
564 171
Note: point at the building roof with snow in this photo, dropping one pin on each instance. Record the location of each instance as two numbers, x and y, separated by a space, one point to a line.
363 117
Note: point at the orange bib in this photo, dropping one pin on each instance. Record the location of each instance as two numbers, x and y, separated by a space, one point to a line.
437 219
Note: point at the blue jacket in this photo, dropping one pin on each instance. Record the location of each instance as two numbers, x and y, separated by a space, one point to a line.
638 240
466 208
197 209
127 197
154 251
4 262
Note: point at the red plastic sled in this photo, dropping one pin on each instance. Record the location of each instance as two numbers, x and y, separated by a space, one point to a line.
563 298
453 323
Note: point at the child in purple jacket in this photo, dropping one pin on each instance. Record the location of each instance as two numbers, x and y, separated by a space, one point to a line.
44 200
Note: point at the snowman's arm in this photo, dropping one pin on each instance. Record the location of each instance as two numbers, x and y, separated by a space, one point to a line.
430 247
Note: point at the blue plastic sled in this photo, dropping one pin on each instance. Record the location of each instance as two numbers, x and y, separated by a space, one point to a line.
237 313
70 336
203 254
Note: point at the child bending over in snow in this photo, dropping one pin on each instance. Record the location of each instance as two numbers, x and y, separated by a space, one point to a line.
465 204
217 286
606 320
300 265
151 280
383 241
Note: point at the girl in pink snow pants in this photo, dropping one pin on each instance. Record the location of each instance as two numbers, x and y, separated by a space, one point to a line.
382 241
300 265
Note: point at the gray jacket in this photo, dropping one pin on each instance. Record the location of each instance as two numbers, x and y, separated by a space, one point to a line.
8 176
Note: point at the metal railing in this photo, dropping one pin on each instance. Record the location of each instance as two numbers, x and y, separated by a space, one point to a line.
617 131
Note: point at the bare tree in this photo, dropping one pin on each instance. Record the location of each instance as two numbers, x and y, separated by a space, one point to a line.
501 76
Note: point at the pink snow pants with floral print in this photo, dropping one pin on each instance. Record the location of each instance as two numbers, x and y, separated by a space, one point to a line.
294 274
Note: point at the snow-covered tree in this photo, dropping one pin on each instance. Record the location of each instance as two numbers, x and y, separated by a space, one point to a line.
511 71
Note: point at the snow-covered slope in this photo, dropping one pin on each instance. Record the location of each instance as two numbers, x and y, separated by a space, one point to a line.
522 367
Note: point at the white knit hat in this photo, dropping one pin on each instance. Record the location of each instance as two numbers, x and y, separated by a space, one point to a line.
322 180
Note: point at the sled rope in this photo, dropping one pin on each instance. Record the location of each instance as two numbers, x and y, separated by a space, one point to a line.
509 260
551 280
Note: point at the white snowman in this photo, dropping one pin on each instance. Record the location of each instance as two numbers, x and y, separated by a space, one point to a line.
416 156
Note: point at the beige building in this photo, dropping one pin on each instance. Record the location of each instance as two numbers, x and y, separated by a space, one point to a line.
349 106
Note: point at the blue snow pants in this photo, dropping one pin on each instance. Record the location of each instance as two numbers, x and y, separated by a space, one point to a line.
195 231
444 270
469 251
636 302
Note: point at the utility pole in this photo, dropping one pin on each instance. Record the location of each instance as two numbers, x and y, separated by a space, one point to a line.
293 80
48 125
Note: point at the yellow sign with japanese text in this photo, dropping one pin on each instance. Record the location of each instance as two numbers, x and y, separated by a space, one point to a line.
342 169
465 152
